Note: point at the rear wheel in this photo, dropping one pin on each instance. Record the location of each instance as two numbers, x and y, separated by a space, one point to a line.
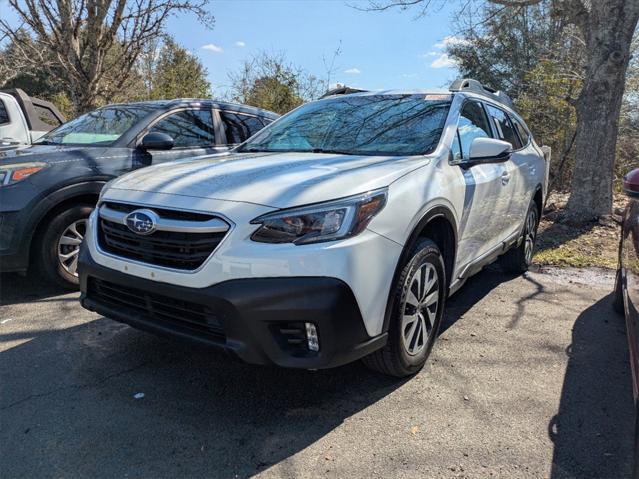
59 245
418 306
519 258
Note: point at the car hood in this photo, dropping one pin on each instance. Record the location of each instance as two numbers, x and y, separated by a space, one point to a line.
277 180
49 153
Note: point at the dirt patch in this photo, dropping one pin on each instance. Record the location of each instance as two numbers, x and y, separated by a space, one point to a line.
563 244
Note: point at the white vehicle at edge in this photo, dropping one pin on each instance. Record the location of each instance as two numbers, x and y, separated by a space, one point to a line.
334 234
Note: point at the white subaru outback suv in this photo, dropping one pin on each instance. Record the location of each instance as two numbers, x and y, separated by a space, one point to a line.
336 233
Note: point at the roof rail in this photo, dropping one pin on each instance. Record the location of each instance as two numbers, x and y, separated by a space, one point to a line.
342 90
468 84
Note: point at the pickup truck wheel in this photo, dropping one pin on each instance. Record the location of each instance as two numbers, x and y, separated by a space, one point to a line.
418 306
519 258
60 245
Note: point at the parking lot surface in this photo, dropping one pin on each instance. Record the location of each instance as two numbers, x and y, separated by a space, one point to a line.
530 378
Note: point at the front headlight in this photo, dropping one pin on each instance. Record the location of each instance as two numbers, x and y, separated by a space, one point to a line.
10 174
321 222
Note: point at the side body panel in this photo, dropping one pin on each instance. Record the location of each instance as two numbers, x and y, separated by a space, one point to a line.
16 132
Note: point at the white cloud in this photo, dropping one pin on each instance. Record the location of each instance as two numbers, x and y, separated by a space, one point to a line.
212 47
430 54
450 41
240 44
443 61
353 71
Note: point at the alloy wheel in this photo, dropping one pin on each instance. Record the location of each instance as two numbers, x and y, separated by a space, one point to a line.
69 246
420 308
530 234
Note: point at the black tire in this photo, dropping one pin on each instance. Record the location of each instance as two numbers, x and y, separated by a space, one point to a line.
48 244
617 295
519 258
395 359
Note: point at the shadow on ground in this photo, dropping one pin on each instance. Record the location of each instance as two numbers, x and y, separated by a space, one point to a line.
67 405
593 429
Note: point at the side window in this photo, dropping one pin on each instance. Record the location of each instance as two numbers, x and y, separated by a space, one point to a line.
239 127
523 133
472 124
504 127
189 128
45 115
4 115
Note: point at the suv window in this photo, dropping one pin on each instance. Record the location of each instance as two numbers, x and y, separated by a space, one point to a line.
4 115
523 133
504 127
472 124
190 128
239 127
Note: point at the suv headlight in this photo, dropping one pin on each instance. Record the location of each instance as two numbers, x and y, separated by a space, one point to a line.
10 174
320 222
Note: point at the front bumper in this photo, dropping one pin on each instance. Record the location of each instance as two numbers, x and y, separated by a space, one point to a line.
251 318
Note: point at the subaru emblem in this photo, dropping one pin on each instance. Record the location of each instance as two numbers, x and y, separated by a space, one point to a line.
142 222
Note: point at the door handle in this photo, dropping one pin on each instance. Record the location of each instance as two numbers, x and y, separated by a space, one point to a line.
505 178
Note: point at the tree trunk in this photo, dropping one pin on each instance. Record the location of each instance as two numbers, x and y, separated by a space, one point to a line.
608 32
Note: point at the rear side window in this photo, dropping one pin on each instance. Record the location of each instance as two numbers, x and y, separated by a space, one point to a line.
505 129
523 133
4 115
189 129
472 124
239 127
46 116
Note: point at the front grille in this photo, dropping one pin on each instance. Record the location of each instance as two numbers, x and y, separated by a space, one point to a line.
164 213
160 309
185 250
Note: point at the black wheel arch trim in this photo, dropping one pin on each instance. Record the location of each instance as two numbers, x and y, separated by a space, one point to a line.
430 215
51 201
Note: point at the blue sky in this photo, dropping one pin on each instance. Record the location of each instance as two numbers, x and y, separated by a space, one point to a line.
380 50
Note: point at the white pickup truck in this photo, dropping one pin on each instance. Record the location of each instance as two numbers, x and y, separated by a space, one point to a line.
24 119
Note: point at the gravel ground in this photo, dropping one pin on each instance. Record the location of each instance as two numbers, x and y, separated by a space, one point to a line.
530 378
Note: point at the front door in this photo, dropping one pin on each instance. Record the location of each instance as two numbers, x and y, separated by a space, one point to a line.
484 185
193 133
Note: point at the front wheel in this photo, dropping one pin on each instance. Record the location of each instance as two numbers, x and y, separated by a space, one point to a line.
418 306
519 258
59 245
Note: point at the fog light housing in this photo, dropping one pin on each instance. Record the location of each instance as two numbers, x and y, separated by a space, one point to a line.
312 340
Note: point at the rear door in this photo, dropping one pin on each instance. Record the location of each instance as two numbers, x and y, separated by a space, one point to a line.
484 200
237 127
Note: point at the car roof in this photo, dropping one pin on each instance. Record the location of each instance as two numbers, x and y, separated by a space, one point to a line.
198 102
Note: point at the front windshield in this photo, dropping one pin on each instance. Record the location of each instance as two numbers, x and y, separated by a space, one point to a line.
394 125
97 128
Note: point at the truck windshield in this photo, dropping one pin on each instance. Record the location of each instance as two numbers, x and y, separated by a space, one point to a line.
97 128
393 125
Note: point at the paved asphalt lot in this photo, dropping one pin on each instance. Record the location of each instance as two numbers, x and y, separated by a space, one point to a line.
529 378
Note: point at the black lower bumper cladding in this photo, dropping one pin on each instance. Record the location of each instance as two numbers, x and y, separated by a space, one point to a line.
261 320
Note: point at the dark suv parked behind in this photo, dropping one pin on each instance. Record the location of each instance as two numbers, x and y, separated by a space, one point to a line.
48 190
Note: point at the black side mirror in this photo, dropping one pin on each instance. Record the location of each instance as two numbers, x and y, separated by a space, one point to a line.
156 140
631 183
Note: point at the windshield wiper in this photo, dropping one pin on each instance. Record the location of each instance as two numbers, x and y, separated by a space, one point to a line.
328 150
45 142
